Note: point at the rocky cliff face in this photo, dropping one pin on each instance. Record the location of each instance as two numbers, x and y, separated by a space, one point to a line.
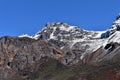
18 54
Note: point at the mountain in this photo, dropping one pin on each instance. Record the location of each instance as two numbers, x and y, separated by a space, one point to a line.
78 43
62 52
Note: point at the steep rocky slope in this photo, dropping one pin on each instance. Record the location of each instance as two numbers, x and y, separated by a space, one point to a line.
19 54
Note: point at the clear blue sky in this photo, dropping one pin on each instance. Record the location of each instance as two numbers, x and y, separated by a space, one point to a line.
29 16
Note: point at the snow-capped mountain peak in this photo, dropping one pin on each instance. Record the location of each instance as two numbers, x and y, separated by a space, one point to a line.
63 35
76 40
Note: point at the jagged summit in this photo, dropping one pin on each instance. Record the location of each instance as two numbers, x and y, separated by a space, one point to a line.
52 29
58 24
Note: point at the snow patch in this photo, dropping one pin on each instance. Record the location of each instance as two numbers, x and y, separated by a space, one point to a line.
115 37
99 33
36 36
25 35
52 34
